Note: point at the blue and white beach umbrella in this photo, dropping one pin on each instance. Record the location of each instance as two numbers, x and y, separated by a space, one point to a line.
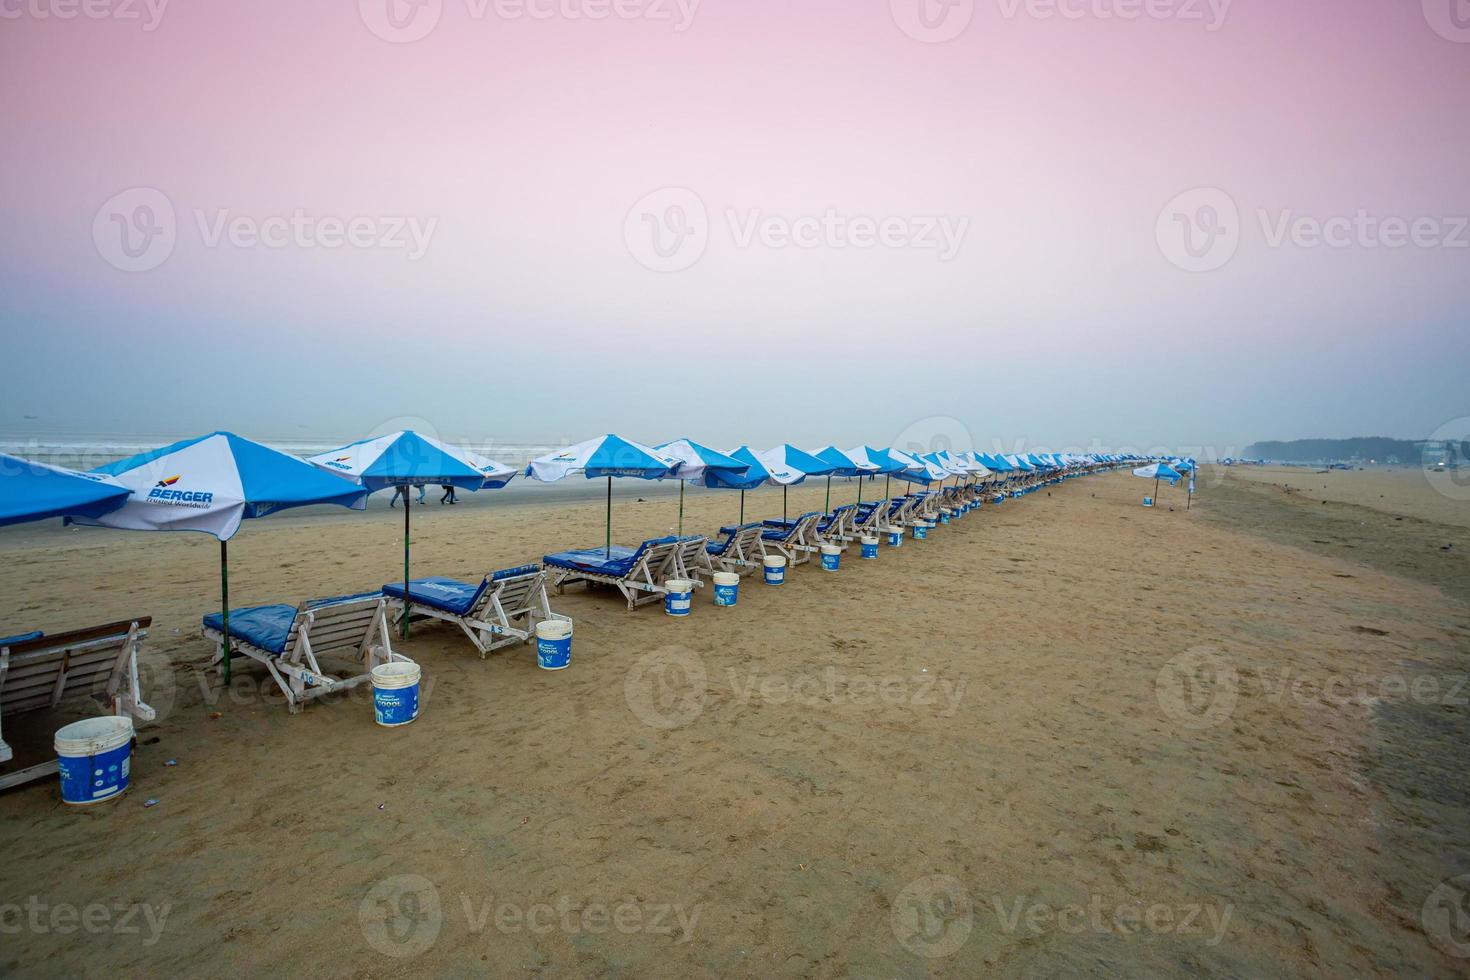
703 467
917 469
604 457
37 491
407 458
789 466
404 459
755 476
211 484
845 465
1157 472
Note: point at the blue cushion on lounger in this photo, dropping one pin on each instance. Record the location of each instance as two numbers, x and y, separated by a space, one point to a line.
10 641
617 561
269 627
516 572
450 595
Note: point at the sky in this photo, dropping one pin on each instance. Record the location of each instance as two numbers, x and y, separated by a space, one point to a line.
1012 223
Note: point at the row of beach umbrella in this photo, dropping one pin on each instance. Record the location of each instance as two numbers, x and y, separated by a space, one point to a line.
212 483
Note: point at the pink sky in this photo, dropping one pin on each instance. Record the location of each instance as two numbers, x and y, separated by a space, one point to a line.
527 142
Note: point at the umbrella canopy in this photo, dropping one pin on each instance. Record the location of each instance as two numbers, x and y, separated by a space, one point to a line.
1159 471
844 465
789 466
879 458
403 459
214 482
756 474
211 484
36 491
947 462
703 466
917 469
407 458
605 456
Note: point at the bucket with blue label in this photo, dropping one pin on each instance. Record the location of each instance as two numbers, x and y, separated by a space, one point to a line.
94 757
396 693
727 588
678 596
870 547
553 644
775 569
831 557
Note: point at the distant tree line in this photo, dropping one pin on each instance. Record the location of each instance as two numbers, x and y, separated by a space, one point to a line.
1378 448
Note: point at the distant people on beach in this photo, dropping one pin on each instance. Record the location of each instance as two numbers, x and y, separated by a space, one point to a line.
402 491
448 497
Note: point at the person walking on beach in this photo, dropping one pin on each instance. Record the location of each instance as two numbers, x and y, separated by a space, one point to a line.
401 491
420 487
448 497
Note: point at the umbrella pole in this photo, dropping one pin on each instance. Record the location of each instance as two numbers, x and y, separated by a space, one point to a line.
609 517
742 506
1156 491
406 505
860 489
681 508
224 592
783 502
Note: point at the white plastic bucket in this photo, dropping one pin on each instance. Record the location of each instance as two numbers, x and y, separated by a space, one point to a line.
727 588
678 599
870 547
94 757
1148 501
831 557
396 693
895 537
775 568
553 644
944 515
921 529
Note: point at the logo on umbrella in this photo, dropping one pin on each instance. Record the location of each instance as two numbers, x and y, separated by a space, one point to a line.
167 482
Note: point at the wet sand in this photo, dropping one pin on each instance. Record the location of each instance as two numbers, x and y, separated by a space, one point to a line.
1066 735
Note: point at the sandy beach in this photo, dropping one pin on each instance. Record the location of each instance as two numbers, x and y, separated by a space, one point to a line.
1066 735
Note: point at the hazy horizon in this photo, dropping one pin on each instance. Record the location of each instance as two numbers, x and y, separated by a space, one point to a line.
1201 226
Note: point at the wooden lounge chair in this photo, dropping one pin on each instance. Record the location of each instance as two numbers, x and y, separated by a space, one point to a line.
502 610
692 560
638 573
792 539
39 671
291 640
741 550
